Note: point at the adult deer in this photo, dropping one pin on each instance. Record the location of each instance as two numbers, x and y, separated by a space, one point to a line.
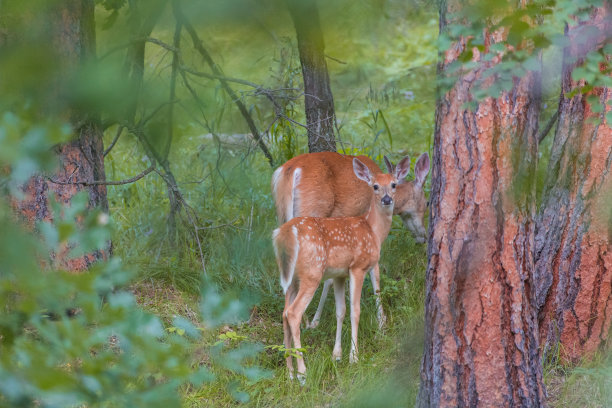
328 187
309 249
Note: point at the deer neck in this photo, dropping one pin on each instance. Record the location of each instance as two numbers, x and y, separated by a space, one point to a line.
379 220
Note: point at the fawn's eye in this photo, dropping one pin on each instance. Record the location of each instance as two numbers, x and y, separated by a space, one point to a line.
375 187
393 185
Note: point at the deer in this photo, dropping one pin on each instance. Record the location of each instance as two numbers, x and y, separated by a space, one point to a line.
328 187
311 249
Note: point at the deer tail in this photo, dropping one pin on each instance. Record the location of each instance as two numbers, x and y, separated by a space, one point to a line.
286 249
285 192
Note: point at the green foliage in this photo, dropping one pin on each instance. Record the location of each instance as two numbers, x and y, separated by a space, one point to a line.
70 339
531 29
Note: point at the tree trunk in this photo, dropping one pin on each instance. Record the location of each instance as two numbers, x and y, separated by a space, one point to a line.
318 99
573 253
481 337
72 35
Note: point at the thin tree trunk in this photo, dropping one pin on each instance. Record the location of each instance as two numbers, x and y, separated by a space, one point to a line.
72 36
481 337
144 18
573 252
318 98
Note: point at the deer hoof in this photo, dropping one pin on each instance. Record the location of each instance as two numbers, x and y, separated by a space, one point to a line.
312 324
302 379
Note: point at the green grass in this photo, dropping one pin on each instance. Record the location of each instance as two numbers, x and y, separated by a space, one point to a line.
244 262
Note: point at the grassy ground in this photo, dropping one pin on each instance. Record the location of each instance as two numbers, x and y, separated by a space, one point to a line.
250 268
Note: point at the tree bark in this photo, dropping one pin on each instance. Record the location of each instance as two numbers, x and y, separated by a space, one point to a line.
72 36
318 98
481 337
573 253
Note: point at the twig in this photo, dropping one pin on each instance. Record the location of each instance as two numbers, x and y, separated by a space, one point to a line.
119 130
197 43
548 126
188 211
106 183
335 59
175 66
162 44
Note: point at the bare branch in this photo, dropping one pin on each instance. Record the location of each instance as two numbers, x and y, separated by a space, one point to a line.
335 59
106 183
548 126
197 43
119 130
162 44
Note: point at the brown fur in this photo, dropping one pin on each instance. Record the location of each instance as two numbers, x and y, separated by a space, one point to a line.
329 188
309 249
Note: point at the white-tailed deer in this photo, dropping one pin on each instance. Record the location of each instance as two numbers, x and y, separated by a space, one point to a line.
309 249
328 187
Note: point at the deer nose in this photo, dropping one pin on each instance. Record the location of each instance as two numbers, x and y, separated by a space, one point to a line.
386 200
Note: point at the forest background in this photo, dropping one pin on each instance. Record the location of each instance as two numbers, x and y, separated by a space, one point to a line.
186 311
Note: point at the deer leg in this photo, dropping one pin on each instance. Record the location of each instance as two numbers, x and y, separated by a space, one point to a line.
294 314
375 278
317 316
289 297
356 283
340 312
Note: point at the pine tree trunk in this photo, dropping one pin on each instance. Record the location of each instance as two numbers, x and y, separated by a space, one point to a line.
72 35
481 337
318 98
573 253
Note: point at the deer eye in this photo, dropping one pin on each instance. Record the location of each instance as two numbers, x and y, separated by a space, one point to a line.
375 187
393 185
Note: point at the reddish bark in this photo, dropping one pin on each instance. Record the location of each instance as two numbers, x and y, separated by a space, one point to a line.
72 35
481 339
573 253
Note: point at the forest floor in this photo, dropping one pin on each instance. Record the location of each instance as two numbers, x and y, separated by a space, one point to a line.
388 371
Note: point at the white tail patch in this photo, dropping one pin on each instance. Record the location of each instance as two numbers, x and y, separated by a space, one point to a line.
275 179
286 255
292 209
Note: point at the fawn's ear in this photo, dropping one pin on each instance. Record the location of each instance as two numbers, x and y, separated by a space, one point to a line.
362 171
421 168
390 166
402 168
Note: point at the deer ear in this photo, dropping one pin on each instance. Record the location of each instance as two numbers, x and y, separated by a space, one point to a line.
362 171
421 168
390 166
402 168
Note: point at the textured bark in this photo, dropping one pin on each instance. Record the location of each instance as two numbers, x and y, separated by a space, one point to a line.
318 99
573 253
72 35
481 337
